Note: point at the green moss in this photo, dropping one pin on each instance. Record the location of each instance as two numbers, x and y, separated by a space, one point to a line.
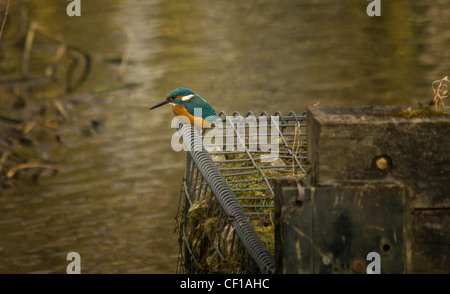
265 229
418 113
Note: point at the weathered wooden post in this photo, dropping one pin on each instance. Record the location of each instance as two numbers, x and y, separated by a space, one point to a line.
379 181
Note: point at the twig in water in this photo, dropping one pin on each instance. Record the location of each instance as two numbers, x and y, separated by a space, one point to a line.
4 20
19 167
126 54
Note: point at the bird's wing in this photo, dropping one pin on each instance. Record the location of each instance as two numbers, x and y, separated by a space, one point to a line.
198 102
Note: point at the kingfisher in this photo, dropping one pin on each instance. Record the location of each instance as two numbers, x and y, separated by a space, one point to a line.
191 108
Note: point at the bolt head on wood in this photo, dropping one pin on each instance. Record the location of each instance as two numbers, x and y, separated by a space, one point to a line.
382 163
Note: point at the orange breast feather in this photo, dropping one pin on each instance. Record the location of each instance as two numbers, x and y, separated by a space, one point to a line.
186 117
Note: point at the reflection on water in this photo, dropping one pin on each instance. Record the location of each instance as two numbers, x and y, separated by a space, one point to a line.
115 198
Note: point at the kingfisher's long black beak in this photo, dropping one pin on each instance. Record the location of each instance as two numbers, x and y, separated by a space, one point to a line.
159 104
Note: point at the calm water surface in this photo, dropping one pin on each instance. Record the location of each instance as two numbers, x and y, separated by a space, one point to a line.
116 195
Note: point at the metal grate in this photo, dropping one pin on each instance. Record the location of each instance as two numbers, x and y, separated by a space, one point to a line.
228 201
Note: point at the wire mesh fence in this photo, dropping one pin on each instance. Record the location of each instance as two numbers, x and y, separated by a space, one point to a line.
226 216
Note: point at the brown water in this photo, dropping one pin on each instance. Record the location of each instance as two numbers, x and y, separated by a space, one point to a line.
115 197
